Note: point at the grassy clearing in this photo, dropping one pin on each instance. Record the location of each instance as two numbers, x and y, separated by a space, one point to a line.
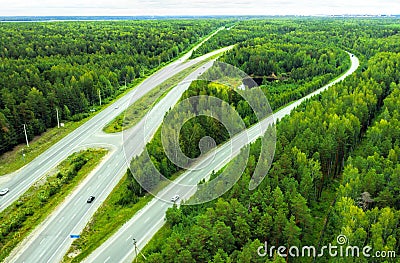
21 218
139 109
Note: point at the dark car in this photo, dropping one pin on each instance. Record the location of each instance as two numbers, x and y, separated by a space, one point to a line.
90 199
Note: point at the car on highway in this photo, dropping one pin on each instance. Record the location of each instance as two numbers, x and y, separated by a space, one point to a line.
4 191
175 198
90 199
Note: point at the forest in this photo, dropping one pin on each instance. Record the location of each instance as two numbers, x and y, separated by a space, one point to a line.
336 166
65 66
312 67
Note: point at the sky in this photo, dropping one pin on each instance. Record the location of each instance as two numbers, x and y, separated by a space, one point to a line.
198 7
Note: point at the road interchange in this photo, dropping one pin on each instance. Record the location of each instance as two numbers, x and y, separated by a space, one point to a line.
146 222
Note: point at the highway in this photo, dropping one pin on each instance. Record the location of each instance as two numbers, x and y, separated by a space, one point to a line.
146 222
21 180
50 241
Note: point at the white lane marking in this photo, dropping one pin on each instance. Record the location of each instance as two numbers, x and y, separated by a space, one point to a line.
132 247
66 239
147 219
162 204
41 255
116 164
62 218
42 240
77 201
59 233
129 238
98 186
88 189
73 216
107 260
191 179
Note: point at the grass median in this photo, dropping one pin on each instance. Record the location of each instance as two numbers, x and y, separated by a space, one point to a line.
134 113
20 218
112 214
21 155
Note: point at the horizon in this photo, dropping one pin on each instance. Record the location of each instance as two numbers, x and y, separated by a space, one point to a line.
60 18
93 18
172 8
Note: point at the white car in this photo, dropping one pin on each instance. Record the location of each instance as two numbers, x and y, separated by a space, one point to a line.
175 198
4 191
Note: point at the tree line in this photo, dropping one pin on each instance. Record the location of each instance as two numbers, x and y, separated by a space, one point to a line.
66 65
347 134
368 203
328 61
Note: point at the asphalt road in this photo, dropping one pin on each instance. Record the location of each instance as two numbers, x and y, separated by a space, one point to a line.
50 241
25 177
145 223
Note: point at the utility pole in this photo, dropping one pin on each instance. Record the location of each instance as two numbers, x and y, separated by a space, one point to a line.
137 250
100 97
58 120
26 136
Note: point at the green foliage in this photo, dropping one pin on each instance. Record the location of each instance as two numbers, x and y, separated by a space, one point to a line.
45 66
20 218
135 112
196 128
313 145
367 211
365 37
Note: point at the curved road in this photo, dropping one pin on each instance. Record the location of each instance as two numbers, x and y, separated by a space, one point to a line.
146 222
21 180
50 241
